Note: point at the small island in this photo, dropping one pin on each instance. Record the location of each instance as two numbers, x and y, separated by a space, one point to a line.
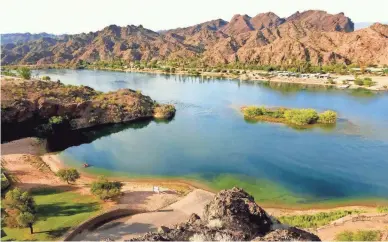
298 117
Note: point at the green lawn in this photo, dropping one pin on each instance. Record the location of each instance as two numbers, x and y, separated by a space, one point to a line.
58 211
316 220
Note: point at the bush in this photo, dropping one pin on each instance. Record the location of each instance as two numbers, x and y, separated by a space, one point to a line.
252 111
46 78
361 235
4 182
24 72
105 189
368 82
56 120
301 116
327 117
68 175
382 209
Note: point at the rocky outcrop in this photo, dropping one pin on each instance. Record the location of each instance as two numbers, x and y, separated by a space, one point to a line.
78 106
311 36
232 215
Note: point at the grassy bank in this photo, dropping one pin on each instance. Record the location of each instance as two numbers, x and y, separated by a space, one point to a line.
57 211
316 220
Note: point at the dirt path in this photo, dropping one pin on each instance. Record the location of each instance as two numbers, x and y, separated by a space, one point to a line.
368 221
132 226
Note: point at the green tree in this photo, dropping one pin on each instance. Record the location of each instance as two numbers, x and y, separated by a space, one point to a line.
26 219
105 189
24 72
22 205
68 175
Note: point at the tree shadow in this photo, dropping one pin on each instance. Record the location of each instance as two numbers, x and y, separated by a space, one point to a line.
64 209
54 233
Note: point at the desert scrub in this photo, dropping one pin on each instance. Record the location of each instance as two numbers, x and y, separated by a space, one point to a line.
165 111
327 117
316 220
361 235
382 209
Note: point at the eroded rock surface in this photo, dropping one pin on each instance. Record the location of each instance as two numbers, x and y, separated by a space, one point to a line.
79 106
232 215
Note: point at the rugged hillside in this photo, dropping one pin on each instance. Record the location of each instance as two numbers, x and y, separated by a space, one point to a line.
232 215
311 36
46 104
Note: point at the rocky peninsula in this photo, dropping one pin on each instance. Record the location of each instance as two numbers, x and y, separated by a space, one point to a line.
46 106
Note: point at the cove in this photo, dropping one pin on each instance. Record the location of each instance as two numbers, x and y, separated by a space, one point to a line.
209 142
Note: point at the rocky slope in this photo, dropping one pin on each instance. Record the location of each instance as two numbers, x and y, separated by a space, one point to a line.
36 103
311 36
232 215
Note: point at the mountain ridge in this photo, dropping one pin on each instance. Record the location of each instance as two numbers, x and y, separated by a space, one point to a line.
266 39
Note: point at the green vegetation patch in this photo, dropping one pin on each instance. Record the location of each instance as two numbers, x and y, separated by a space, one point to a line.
57 212
361 235
298 117
382 209
316 220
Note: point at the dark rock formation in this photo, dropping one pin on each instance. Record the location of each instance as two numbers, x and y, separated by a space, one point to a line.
232 215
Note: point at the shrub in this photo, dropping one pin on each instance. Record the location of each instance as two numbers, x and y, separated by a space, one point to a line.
24 72
327 117
368 82
68 175
315 220
252 111
359 82
56 120
382 209
361 235
301 116
105 189
46 78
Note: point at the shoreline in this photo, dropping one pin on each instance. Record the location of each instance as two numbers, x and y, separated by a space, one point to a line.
250 76
52 160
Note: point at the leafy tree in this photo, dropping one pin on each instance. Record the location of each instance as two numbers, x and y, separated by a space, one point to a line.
301 116
68 175
105 189
24 72
26 219
22 205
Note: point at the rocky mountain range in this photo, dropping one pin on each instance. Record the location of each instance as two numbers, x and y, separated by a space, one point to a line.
311 36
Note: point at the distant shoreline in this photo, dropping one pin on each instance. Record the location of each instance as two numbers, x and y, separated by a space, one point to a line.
249 76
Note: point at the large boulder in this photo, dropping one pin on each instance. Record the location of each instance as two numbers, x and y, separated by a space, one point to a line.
232 215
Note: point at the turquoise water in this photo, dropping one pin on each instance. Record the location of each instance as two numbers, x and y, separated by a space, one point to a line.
209 140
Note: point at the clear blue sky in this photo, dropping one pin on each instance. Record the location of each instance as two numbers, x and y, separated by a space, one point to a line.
75 16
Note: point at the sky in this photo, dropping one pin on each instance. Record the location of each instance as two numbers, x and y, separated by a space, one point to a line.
76 16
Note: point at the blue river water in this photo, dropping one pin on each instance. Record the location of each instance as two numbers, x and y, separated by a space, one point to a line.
209 140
